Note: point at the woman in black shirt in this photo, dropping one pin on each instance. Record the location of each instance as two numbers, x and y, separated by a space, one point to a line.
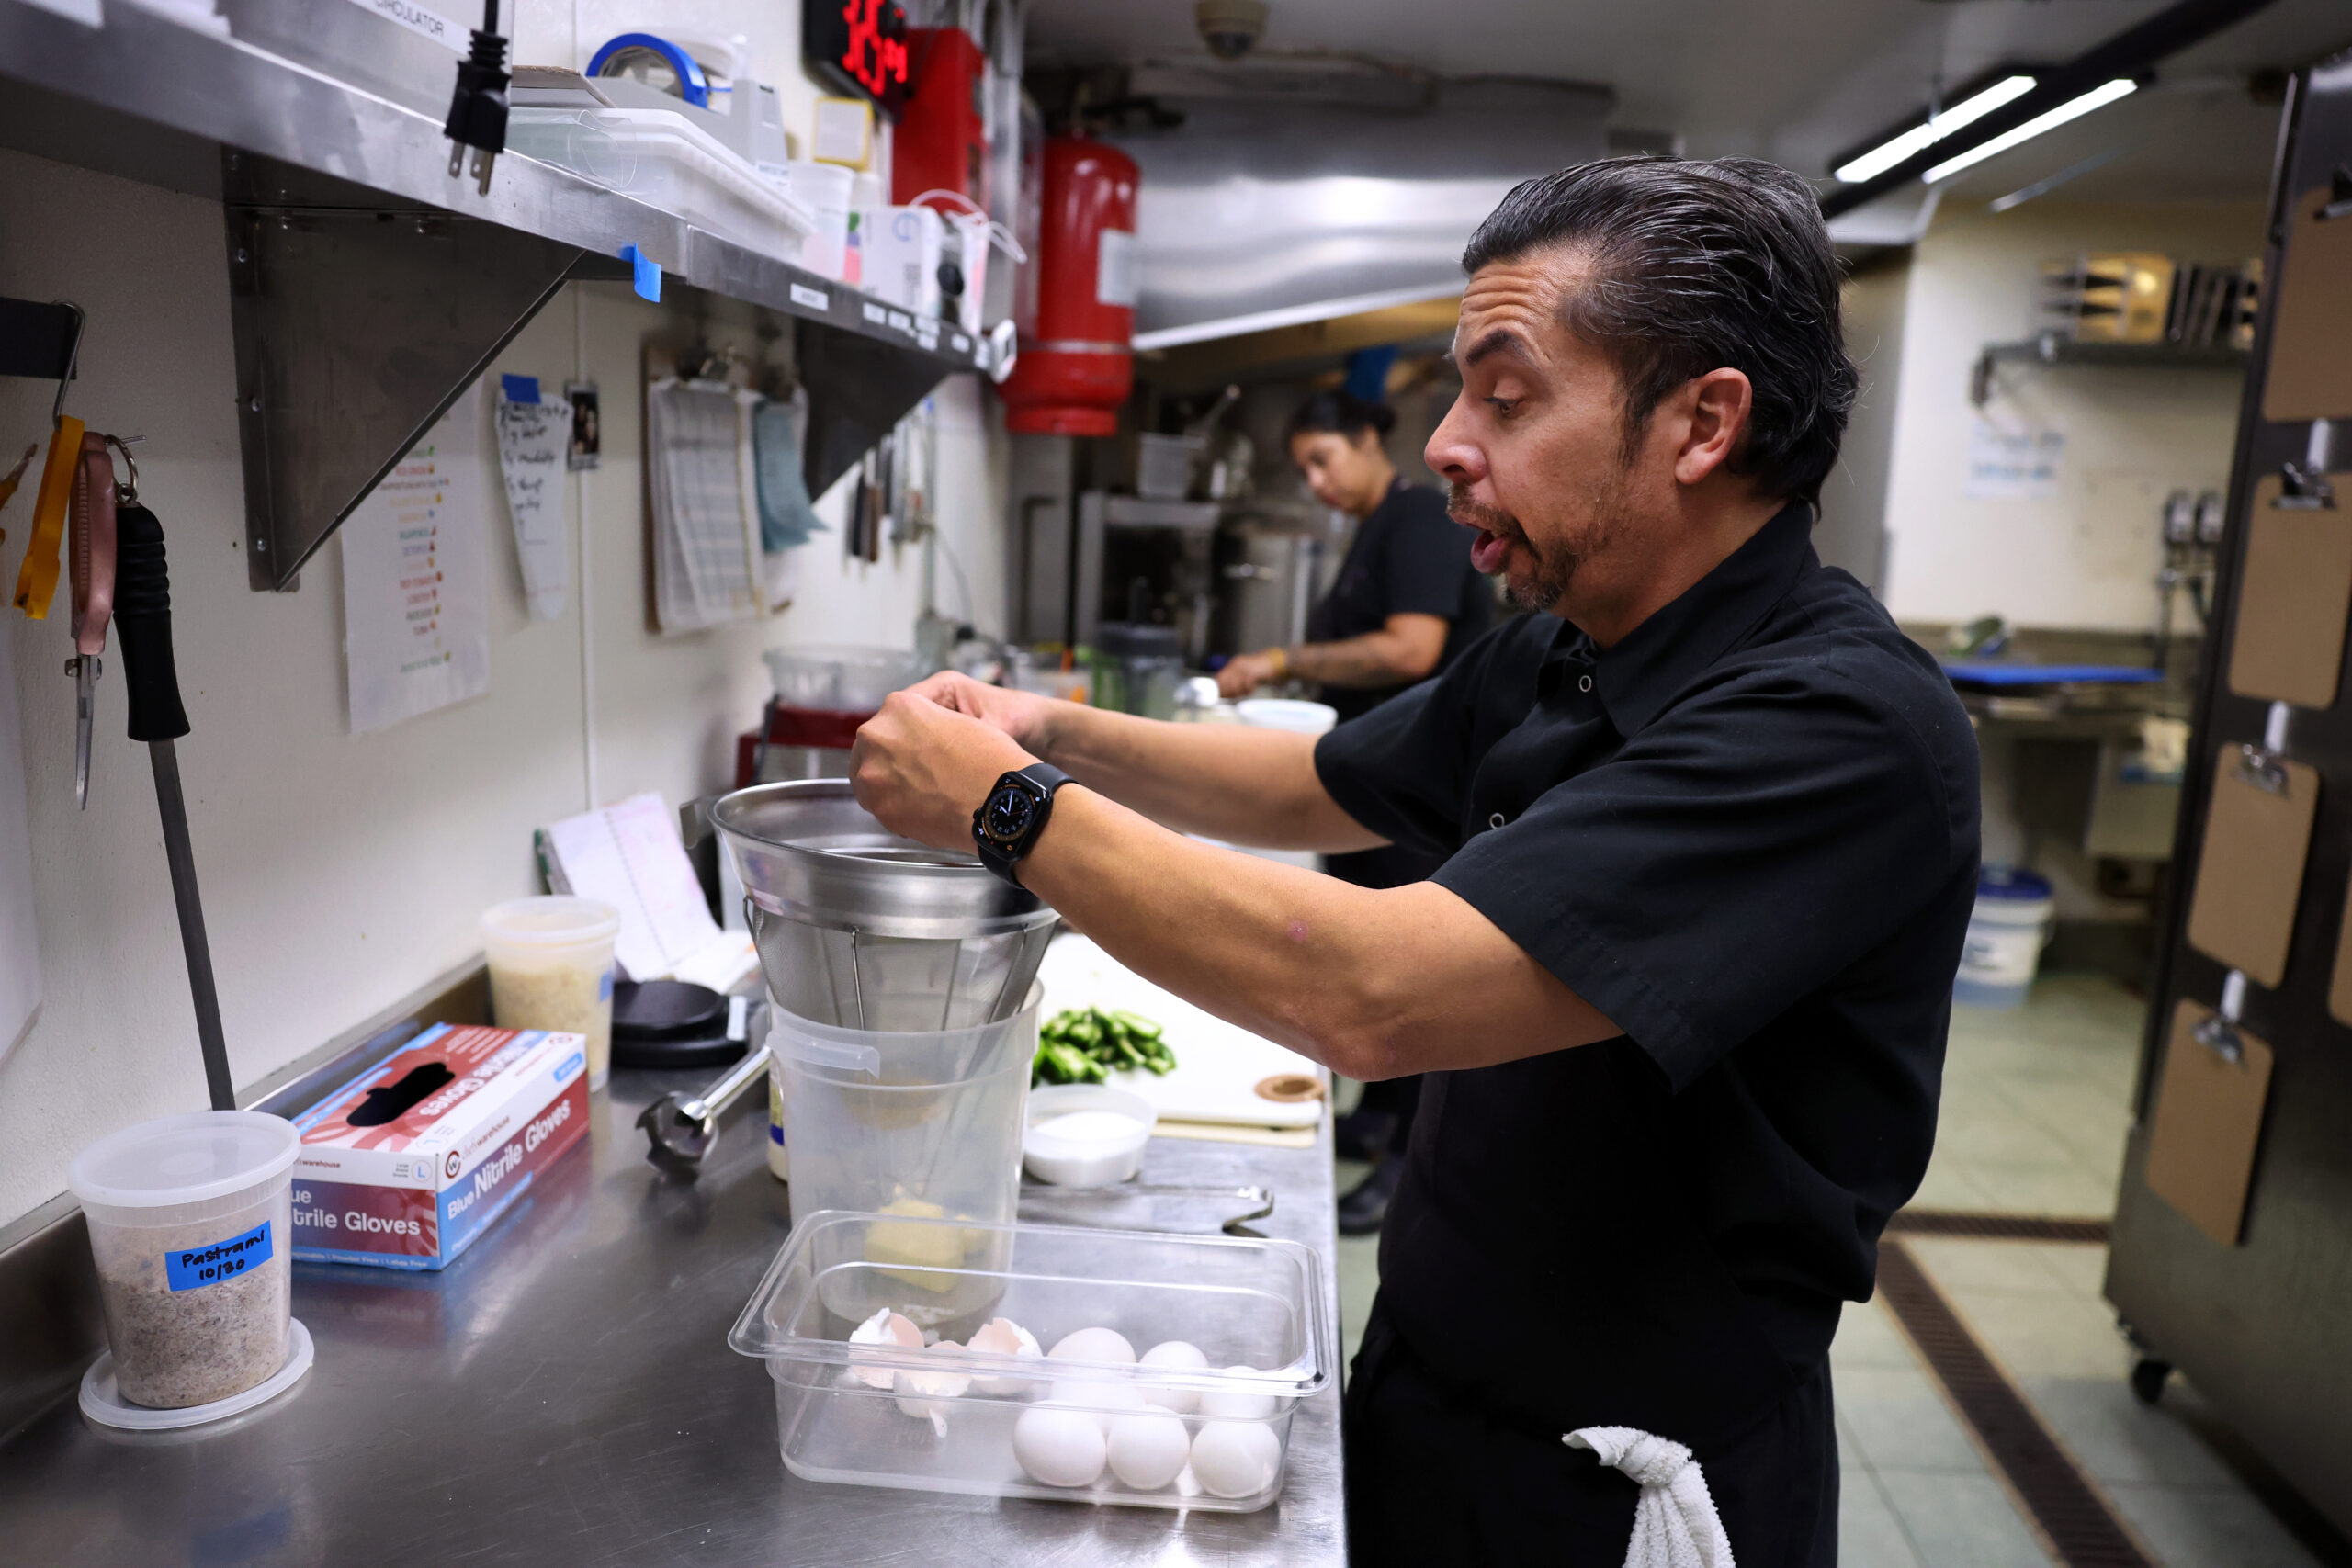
1406 600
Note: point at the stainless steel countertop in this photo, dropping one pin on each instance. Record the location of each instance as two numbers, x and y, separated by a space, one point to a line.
563 1395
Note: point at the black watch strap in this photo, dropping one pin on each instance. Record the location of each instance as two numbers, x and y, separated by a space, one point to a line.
1006 825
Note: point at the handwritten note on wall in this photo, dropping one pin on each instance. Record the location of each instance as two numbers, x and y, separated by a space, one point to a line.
416 623
533 440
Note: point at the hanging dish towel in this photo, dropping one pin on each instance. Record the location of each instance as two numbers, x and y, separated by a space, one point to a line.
1675 1523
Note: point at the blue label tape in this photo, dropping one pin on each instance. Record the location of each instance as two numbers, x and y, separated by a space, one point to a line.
519 389
648 273
193 1267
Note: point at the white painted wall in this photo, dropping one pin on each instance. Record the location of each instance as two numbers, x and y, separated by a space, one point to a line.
2088 558
339 871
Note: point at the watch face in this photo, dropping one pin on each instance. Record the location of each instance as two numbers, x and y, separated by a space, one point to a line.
1010 812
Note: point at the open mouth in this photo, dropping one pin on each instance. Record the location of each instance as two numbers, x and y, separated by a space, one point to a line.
1488 552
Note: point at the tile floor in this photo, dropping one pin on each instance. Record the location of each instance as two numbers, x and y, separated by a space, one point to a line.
2036 1108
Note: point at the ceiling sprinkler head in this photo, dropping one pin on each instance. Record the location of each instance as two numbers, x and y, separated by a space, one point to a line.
1231 28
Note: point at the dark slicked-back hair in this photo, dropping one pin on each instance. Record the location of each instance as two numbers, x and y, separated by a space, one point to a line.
1695 266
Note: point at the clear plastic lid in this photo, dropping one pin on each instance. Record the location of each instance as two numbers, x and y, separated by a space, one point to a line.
183 1160
552 919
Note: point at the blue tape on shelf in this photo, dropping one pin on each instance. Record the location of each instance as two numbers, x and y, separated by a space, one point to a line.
649 273
519 389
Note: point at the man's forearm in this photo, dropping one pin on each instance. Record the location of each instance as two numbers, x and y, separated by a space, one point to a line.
1232 782
1373 984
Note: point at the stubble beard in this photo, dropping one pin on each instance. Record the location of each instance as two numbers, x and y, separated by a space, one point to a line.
1551 570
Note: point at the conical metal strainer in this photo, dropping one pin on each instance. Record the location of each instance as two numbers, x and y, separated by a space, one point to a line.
860 928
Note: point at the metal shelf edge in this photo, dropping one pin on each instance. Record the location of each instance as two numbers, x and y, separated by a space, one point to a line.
186 83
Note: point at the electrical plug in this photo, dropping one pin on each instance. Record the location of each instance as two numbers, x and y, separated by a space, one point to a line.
478 108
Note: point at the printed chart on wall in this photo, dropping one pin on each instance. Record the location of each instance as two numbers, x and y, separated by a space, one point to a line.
416 624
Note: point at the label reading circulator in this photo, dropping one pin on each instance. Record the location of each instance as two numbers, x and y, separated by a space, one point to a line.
193 1267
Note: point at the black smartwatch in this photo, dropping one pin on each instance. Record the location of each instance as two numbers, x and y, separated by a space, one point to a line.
1006 825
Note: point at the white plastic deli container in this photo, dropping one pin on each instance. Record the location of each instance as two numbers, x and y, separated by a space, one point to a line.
551 969
192 1228
884 1415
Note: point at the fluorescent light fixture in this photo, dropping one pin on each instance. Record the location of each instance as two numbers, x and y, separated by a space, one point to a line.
1919 138
2073 109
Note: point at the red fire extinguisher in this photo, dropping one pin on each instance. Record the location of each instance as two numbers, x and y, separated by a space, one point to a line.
1076 362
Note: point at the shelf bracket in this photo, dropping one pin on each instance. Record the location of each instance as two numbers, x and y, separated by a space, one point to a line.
358 319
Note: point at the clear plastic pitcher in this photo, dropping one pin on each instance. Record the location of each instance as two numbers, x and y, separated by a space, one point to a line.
922 1126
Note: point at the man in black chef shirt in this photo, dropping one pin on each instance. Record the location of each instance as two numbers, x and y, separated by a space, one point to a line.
1683 982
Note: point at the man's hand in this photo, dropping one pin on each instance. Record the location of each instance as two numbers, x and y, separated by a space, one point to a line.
1244 672
923 767
1025 716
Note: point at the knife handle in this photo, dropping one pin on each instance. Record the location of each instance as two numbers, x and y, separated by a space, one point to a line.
142 620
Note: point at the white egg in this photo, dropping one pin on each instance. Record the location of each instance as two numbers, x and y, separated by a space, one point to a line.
1177 1355
1101 1400
885 1327
1002 1336
1235 1458
1093 1345
931 1390
1237 1404
1059 1448
1146 1450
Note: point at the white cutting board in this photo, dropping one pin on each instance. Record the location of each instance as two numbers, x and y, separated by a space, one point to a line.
1218 1065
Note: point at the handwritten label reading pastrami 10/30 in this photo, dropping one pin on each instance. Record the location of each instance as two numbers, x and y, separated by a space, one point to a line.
192 1268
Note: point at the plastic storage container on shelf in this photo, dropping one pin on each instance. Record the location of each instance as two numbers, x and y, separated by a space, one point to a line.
2007 931
661 160
191 1227
1210 1432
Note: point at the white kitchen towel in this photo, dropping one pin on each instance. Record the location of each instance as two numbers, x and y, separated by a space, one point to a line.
1675 1522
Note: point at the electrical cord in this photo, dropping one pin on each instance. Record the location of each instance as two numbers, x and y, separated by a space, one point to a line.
477 107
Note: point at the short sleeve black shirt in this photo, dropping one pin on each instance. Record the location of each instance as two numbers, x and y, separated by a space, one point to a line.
1748 833
1407 557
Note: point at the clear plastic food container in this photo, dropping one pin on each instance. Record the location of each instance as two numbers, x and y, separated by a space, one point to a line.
191 1226
939 1417
663 160
552 968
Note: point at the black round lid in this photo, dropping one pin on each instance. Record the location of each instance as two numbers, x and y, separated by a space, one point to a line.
1133 639
666 1010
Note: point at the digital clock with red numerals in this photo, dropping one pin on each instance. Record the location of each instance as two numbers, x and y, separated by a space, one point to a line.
860 46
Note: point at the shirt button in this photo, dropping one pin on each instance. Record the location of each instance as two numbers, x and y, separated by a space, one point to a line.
1496 821
1584 683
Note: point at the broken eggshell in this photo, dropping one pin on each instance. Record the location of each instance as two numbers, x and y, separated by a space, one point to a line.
925 1394
1002 1336
885 1327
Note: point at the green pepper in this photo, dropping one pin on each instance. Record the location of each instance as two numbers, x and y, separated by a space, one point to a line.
1141 1027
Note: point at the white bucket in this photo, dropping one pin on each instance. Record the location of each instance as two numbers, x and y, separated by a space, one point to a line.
2007 931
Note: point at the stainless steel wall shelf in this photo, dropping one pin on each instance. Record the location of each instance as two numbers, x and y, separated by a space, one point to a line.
368 287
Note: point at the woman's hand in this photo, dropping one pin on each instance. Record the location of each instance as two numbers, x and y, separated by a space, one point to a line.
1244 672
923 767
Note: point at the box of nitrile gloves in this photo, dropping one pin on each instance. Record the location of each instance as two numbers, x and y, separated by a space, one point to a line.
408 1163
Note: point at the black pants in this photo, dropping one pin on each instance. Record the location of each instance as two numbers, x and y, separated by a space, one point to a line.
1434 1480
1390 866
